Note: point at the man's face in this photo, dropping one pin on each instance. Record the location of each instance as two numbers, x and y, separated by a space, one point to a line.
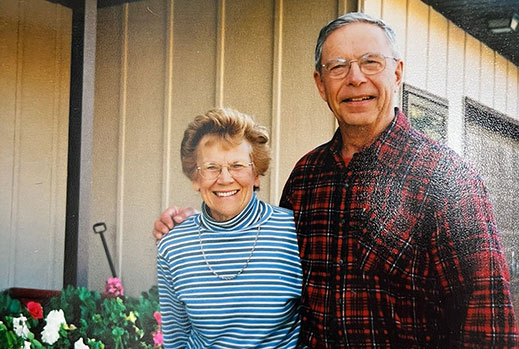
359 99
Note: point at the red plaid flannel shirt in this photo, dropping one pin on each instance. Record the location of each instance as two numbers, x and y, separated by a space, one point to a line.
399 248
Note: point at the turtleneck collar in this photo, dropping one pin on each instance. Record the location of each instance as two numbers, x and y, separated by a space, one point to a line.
254 214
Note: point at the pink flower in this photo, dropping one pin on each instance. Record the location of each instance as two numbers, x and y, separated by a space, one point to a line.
158 317
114 288
158 338
35 310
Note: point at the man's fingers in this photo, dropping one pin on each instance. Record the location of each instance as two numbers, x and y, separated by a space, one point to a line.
166 219
169 218
183 214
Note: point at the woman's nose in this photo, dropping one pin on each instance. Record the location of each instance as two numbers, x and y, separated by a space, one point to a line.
225 175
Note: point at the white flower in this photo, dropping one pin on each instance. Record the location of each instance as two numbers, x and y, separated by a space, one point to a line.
50 333
20 327
56 318
80 345
26 345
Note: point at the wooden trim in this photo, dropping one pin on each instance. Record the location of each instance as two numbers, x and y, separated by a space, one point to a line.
81 116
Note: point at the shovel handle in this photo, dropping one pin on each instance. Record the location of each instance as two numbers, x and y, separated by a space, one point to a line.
100 228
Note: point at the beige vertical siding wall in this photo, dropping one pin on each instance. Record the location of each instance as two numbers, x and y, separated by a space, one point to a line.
162 62
158 64
34 90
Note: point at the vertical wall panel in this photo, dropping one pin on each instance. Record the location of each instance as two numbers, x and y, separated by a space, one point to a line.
372 7
60 141
106 139
417 40
275 132
472 67
512 91
194 79
247 79
9 19
305 118
486 87
33 189
437 52
500 83
35 45
394 13
455 86
143 140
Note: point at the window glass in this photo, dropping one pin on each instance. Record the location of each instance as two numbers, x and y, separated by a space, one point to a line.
427 113
491 144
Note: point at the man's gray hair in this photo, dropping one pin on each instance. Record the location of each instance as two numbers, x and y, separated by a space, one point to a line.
353 17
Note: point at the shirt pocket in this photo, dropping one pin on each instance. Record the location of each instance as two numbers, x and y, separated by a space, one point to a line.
388 245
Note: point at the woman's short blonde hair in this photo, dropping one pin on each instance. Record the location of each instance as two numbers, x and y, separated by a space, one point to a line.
230 126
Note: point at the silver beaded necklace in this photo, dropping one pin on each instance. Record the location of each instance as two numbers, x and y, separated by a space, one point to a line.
231 277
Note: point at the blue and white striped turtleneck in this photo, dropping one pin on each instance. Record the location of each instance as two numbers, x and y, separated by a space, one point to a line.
257 309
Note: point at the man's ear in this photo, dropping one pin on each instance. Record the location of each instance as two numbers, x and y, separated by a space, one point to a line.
399 73
320 85
195 184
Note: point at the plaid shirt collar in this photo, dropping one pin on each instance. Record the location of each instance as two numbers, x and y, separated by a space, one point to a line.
385 146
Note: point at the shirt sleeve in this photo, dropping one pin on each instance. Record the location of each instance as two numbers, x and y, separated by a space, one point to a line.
287 196
471 266
175 322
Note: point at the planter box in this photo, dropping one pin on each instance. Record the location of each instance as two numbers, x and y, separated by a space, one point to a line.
25 295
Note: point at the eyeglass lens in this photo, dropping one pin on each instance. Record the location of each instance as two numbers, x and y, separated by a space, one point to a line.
212 170
368 64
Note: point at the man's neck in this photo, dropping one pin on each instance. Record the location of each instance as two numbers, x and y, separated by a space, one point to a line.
357 138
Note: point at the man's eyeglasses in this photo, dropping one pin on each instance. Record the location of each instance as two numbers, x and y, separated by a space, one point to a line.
211 170
369 64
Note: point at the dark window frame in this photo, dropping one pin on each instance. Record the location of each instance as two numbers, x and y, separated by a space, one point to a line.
430 103
488 118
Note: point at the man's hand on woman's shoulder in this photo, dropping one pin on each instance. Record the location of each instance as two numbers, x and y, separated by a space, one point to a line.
172 216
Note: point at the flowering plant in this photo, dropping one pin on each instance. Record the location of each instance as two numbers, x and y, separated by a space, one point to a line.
35 310
113 288
82 319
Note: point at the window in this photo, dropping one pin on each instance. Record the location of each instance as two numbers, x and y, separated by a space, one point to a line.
427 112
491 143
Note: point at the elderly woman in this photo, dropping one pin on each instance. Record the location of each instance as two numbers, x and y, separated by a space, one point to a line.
230 276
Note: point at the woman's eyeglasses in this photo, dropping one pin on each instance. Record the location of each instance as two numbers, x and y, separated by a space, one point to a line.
211 170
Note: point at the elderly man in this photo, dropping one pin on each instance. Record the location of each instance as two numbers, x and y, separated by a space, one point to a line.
397 238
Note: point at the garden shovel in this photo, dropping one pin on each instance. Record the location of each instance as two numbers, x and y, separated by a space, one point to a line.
100 228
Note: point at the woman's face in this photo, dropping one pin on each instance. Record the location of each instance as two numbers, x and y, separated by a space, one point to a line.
225 195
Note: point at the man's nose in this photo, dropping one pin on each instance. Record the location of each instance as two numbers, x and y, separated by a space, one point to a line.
355 76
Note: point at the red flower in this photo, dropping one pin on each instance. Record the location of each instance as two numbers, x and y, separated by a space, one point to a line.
35 309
